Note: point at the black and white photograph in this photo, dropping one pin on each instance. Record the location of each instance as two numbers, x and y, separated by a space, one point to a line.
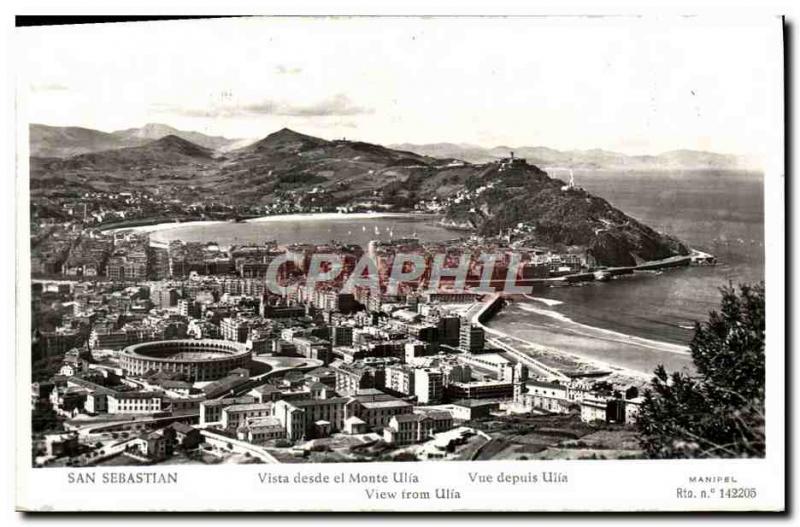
396 262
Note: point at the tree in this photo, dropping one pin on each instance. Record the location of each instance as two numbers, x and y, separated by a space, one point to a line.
719 410
603 387
45 420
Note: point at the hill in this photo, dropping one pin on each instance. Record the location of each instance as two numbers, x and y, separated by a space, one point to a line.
506 195
168 160
318 174
170 150
287 160
66 141
153 131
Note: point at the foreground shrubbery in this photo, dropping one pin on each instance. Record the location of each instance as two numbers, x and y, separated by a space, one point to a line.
719 411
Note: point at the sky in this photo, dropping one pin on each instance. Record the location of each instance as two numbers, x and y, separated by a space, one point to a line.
633 85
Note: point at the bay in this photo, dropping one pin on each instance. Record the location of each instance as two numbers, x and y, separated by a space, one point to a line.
638 321
312 228
720 212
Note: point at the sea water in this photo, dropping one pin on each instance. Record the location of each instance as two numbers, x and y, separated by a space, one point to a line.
635 321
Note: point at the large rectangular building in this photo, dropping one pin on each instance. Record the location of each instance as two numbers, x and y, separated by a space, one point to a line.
400 379
211 410
350 378
376 408
235 329
428 385
471 338
238 414
411 428
313 348
548 396
134 402
308 418
481 390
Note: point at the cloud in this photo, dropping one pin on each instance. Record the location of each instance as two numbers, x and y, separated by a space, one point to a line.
337 105
337 124
280 69
48 86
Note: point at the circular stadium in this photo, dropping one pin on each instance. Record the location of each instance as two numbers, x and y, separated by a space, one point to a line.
198 360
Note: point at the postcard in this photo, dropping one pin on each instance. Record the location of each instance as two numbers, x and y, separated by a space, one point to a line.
377 263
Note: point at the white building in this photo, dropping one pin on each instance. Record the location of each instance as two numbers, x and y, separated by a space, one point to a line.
632 409
259 430
417 427
235 415
549 396
134 403
428 385
593 409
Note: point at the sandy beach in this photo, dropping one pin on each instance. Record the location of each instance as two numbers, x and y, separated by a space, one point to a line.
553 345
157 227
277 218
332 216
570 361
607 334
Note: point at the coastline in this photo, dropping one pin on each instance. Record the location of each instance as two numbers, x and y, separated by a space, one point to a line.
614 372
276 218
559 356
334 216
157 227
610 334
561 362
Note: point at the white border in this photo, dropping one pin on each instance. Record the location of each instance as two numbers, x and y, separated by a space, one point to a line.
591 487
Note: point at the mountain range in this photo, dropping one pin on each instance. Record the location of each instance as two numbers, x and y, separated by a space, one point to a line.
53 141
287 166
67 141
583 159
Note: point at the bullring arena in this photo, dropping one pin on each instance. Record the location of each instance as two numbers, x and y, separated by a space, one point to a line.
199 360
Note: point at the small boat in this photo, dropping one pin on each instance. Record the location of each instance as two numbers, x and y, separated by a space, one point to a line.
602 276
